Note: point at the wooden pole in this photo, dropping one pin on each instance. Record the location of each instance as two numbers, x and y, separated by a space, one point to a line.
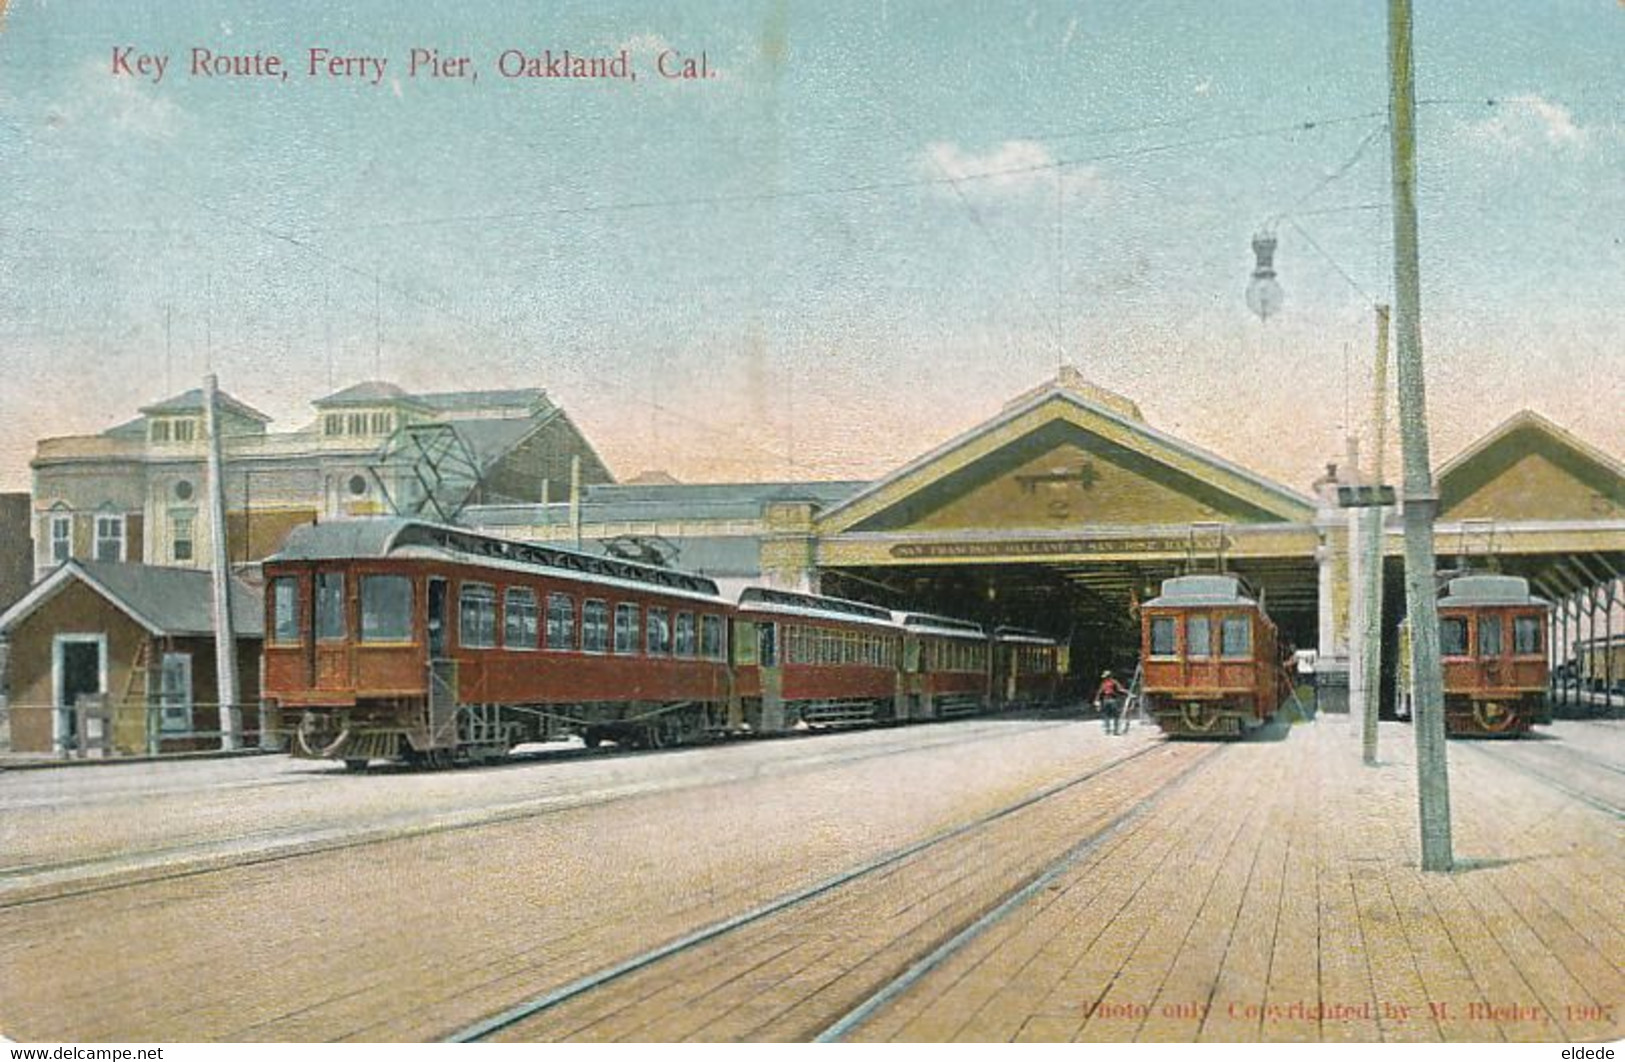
1421 503
1372 658
225 642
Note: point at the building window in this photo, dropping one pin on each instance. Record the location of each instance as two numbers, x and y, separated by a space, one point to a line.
659 631
175 693
159 431
1489 635
386 608
109 538
519 619
1453 636
1526 635
61 537
185 430
1198 637
477 616
626 629
1236 637
333 424
711 637
357 485
685 634
594 626
330 606
180 537
561 622
284 611
183 490
356 423
383 423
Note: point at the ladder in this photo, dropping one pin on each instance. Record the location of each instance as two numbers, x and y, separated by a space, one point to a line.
1134 702
137 682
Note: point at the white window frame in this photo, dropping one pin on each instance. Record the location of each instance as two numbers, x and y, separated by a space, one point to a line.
59 712
180 723
64 521
175 517
98 538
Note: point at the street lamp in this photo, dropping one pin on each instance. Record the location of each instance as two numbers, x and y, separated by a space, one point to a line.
1264 296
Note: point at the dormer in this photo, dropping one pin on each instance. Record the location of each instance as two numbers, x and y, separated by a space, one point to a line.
369 412
180 421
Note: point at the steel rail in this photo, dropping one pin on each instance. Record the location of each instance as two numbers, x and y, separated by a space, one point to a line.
908 978
530 1008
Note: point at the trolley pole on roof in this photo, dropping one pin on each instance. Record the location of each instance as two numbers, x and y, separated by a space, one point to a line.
1421 503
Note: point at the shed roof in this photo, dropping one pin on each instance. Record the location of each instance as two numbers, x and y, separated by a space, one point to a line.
166 601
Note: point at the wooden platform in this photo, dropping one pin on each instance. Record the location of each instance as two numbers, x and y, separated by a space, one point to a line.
1278 897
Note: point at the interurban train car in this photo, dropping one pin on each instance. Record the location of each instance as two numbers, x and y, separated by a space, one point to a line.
404 640
1211 658
1492 648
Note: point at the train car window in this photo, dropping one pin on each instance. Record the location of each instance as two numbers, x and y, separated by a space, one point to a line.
519 625
386 608
685 634
1198 637
561 622
1526 635
330 606
767 644
1162 636
711 638
477 616
659 627
912 655
1236 637
626 629
1453 636
284 611
1489 634
594 627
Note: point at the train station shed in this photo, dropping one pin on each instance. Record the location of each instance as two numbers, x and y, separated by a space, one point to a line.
136 640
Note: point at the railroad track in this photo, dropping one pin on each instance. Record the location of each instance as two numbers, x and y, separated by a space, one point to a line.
64 879
934 897
1517 764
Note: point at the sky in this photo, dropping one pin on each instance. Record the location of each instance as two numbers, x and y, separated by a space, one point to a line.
871 225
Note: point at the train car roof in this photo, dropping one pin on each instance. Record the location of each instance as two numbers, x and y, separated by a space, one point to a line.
1187 590
1023 636
382 537
767 599
925 622
1465 591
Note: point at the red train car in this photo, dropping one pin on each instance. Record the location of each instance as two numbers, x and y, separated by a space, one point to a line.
1492 646
1027 668
945 666
808 660
399 639
1212 665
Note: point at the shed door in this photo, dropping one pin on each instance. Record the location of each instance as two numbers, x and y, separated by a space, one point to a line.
81 673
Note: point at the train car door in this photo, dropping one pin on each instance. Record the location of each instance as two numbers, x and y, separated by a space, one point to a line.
435 619
768 666
333 645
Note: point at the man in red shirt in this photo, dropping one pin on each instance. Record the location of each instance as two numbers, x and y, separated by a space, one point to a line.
1109 702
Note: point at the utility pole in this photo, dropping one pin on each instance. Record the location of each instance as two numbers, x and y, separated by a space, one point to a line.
1421 503
225 642
1372 658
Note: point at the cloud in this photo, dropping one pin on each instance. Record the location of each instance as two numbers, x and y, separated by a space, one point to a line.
1528 123
1014 168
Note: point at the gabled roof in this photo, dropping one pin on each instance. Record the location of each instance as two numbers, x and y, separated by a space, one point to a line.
192 402
1061 401
366 393
166 601
1527 432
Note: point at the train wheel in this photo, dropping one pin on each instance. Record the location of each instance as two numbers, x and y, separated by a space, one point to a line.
592 737
320 736
355 765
